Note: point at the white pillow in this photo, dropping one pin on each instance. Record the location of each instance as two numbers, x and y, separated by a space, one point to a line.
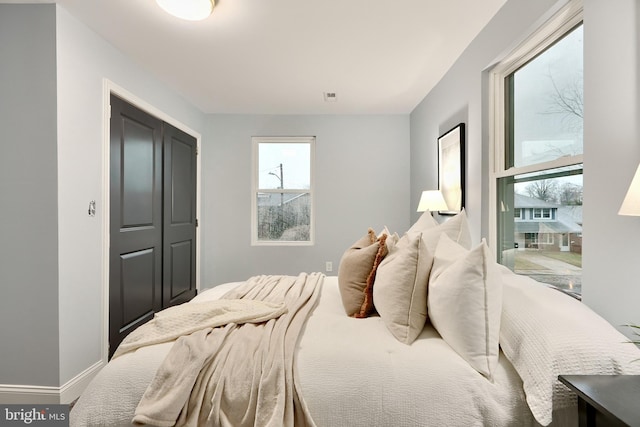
400 289
457 228
392 238
424 223
465 302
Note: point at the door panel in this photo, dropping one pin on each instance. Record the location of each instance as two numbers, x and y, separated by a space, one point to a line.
137 287
179 263
135 266
138 175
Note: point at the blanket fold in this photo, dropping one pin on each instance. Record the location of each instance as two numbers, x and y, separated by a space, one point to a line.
237 374
184 319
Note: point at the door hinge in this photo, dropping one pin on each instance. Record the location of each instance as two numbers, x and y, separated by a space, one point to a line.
197 223
197 151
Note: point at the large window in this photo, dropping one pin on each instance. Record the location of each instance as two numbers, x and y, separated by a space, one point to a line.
537 137
282 208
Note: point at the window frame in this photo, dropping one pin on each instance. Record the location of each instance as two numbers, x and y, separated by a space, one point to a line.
561 23
255 189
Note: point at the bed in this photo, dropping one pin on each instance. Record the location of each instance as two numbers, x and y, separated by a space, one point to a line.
431 333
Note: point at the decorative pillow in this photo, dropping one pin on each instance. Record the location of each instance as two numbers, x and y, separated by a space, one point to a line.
465 302
457 228
400 291
392 238
356 273
424 223
367 304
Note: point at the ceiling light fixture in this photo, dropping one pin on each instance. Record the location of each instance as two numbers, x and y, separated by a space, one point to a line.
191 10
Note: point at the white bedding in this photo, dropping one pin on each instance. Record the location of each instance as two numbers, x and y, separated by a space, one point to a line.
354 372
567 339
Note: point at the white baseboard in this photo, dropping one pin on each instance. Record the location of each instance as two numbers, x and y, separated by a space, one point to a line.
72 389
26 394
67 393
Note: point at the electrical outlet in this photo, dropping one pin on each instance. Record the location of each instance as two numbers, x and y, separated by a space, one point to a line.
328 266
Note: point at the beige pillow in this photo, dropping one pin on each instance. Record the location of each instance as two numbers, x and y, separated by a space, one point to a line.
425 222
465 302
456 227
392 238
400 291
356 273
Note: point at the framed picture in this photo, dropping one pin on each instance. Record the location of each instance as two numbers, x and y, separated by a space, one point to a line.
451 169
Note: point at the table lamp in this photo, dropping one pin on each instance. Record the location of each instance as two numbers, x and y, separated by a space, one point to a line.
631 204
432 200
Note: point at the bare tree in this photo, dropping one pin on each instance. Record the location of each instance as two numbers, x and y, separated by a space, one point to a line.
570 194
568 99
544 189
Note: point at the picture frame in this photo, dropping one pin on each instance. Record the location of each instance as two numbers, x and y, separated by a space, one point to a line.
451 168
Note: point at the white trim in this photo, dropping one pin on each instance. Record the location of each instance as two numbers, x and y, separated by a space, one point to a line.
67 393
29 394
109 88
549 32
540 167
255 141
72 389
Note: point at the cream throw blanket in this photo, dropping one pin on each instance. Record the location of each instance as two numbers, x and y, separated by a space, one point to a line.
184 319
238 374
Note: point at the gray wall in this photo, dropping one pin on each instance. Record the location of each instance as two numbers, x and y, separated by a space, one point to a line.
28 195
611 135
51 270
361 178
461 97
611 155
84 61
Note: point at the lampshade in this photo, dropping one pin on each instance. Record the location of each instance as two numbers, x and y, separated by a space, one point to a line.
631 203
432 200
191 10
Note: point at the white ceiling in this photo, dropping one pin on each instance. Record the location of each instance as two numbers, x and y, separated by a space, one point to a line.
280 56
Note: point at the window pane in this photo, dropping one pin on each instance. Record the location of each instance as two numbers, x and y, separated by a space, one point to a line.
284 216
284 165
545 105
545 242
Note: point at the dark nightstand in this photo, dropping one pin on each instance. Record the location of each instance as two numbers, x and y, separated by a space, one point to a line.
606 400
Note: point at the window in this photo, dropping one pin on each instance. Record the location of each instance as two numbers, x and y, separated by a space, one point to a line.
541 213
282 197
537 164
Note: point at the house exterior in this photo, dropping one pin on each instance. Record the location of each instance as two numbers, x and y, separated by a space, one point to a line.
546 226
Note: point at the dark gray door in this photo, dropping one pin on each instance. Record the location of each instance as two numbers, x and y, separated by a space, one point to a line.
179 234
135 254
152 261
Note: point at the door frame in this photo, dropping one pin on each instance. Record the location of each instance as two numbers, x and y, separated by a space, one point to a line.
110 88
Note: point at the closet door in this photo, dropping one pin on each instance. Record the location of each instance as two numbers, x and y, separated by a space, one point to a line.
135 258
179 234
